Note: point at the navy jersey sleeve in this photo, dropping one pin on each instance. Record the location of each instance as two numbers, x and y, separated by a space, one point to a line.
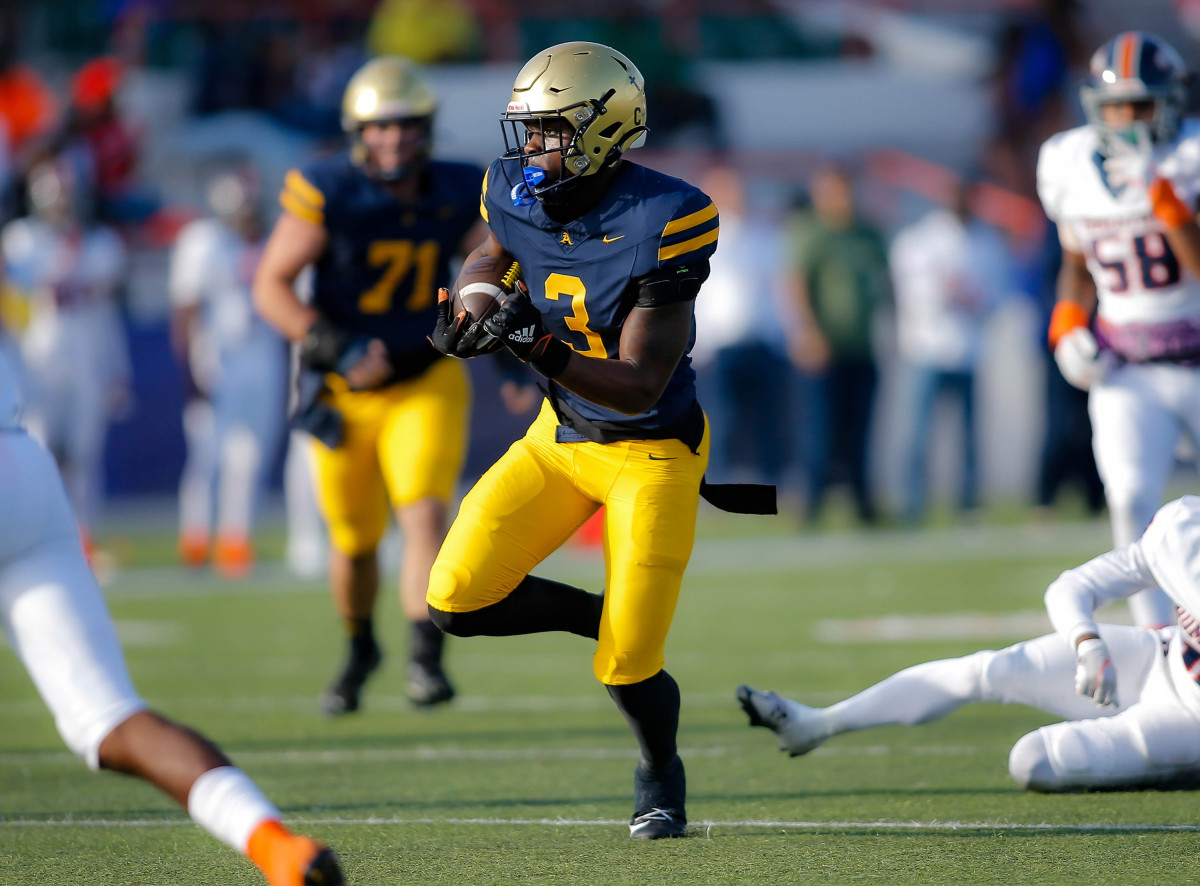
690 236
306 191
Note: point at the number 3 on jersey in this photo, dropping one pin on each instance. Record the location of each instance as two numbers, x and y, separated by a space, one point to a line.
1156 263
397 258
563 284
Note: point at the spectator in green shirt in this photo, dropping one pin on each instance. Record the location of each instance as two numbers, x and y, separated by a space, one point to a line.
839 280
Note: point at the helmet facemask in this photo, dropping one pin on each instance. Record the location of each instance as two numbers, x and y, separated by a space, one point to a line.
388 90
1135 68
362 155
1161 129
519 127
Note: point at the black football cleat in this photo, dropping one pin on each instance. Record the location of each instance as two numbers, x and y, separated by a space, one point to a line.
428 684
657 824
324 870
343 696
658 804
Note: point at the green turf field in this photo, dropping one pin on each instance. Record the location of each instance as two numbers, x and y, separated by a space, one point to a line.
527 777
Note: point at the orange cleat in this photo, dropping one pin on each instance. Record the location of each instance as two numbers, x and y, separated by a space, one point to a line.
233 556
290 860
193 549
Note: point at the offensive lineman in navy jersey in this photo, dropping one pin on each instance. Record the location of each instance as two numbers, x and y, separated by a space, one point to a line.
612 255
379 223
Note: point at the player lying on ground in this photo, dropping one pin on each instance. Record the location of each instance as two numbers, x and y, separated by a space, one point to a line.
55 619
1129 695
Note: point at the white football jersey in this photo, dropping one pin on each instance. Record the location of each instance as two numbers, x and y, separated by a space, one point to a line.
1140 283
1167 556
74 330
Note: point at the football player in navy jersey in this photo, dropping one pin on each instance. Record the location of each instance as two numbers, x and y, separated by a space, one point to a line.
380 224
612 256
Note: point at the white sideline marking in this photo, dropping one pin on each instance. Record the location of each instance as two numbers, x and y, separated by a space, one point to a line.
436 754
70 822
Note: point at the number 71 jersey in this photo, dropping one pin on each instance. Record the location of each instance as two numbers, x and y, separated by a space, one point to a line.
385 260
1149 305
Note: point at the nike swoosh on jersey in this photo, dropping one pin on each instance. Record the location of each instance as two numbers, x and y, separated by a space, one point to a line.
662 457
608 239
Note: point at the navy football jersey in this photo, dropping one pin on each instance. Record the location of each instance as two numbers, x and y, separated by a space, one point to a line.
385 260
579 273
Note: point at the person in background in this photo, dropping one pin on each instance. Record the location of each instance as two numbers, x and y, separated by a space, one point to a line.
949 271
380 223
839 281
236 366
1123 191
741 344
71 269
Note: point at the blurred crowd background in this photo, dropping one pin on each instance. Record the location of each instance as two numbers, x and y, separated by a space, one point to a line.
874 328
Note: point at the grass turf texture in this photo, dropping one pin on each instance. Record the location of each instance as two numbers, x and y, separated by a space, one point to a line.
527 777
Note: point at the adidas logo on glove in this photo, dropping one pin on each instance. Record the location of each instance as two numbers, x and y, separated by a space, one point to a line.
521 336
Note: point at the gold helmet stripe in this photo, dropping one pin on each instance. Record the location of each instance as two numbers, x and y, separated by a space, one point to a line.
483 197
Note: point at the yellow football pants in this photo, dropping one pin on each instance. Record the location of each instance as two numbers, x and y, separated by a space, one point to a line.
536 496
402 443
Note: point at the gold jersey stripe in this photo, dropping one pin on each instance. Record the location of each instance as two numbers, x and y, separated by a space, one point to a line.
304 189
301 209
690 221
668 252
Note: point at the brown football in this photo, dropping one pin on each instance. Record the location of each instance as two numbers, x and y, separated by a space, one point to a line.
481 285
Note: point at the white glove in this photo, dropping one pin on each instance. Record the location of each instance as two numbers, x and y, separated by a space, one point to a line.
1132 163
1095 675
1080 359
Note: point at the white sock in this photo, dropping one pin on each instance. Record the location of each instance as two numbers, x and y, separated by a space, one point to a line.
915 695
227 804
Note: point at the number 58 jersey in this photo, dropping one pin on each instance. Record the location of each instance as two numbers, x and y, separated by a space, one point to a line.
1149 305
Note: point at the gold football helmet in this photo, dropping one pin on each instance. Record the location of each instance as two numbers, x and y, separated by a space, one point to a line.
598 94
386 89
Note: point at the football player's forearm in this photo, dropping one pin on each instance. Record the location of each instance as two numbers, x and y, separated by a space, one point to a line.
1075 284
276 302
614 384
653 341
1185 243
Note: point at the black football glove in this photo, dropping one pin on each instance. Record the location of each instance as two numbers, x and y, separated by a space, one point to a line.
518 325
323 346
456 336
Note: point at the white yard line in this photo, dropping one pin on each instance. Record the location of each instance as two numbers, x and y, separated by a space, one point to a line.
707 825
451 754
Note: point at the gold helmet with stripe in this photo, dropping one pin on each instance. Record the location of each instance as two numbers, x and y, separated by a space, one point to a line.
592 89
384 90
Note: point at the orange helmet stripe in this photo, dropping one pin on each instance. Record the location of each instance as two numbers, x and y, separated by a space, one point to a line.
1125 55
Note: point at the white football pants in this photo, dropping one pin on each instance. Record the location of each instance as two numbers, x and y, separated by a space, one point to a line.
52 610
1138 413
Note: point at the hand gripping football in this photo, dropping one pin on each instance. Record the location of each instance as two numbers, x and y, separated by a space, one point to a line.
481 285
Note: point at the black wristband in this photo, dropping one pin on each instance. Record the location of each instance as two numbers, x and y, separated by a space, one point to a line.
550 357
323 345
